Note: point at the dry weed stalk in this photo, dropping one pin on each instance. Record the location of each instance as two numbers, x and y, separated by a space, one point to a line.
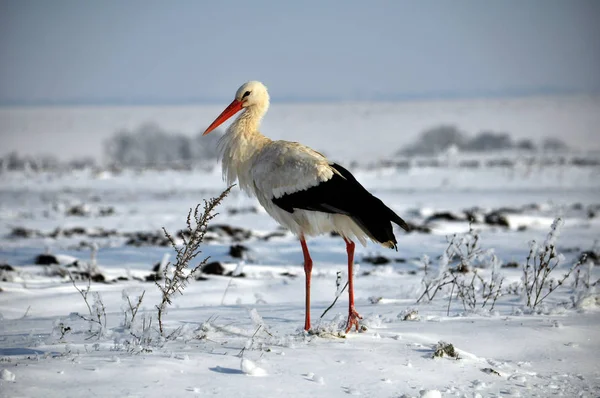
133 309
540 264
96 310
197 222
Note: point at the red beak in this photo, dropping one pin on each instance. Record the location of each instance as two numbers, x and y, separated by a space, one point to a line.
231 110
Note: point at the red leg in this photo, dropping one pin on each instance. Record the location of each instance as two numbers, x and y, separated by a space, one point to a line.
353 316
307 271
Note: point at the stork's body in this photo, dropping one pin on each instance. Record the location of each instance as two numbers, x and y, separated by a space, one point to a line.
299 187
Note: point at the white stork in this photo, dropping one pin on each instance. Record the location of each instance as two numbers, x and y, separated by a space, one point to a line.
300 188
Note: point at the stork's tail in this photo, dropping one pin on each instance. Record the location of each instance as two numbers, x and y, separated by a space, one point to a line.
376 221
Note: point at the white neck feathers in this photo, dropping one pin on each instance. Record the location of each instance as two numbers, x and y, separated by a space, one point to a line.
240 145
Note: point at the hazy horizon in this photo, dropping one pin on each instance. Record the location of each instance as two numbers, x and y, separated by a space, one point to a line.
378 129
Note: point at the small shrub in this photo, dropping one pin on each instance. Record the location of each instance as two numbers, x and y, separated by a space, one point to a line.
457 272
538 278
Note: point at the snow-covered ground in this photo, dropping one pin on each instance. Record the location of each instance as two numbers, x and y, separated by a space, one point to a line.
242 336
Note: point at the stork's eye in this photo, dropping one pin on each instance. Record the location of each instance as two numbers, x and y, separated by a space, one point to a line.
247 93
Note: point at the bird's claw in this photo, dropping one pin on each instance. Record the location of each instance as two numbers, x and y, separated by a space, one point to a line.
353 318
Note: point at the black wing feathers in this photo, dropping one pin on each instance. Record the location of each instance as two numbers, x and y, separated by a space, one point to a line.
345 195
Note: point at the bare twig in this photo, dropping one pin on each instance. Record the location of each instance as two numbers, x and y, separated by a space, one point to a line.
334 301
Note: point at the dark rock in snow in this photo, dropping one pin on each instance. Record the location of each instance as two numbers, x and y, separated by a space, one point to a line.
593 210
511 264
276 234
6 267
577 206
74 231
153 277
214 268
22 232
235 233
376 260
496 218
46 259
102 233
6 273
106 211
242 210
417 228
237 251
77 211
98 278
84 275
68 232
147 239
241 275
445 216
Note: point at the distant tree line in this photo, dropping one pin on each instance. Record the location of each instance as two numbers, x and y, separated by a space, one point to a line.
16 161
445 137
149 145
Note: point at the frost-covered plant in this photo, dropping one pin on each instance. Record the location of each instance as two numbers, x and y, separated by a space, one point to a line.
143 337
97 311
464 251
63 329
538 272
176 276
457 272
137 333
583 280
469 290
433 283
131 308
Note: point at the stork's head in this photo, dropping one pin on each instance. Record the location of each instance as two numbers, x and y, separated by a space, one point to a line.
251 95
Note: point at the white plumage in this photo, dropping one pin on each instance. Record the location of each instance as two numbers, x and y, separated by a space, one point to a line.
298 186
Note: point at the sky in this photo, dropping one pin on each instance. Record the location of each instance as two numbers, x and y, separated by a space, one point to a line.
161 52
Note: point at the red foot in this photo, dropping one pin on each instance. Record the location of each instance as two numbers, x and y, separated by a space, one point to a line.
353 318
